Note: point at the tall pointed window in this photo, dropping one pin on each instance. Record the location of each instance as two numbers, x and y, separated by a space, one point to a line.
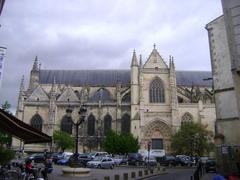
156 93
37 122
107 123
125 121
66 124
187 118
91 125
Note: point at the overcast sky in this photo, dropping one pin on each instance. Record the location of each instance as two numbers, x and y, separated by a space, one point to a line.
101 34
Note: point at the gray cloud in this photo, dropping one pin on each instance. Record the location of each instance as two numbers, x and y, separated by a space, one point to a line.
96 34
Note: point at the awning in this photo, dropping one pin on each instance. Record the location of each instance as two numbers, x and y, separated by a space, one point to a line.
21 130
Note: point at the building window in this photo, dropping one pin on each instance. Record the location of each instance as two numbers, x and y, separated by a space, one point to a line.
66 125
187 118
157 144
125 121
156 93
91 125
107 123
37 122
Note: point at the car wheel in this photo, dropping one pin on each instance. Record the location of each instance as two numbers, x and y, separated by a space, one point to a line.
99 166
111 167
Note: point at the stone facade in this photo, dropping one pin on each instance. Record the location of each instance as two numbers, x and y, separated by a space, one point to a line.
150 100
225 58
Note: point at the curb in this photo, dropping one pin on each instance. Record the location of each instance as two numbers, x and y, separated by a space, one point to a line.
158 174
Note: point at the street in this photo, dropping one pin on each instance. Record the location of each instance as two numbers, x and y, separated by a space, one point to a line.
99 174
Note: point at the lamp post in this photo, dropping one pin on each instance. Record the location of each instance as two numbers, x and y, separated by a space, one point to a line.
82 115
149 146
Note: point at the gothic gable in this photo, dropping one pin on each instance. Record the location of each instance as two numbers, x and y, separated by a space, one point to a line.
68 94
38 94
155 61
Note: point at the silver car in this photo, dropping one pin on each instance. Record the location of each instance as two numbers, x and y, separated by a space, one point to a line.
101 162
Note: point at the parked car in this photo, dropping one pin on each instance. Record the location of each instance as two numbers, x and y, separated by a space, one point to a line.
101 162
203 160
64 160
37 158
185 160
119 160
96 154
135 159
210 165
168 160
151 161
56 157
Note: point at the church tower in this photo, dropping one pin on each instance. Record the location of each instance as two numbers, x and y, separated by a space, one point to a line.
34 75
135 118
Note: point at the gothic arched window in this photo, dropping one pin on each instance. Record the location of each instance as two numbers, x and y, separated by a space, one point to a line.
66 124
125 121
37 122
91 125
107 123
187 118
156 93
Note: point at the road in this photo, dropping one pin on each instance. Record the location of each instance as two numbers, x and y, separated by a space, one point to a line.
99 174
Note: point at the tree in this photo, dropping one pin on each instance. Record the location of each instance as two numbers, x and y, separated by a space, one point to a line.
63 140
5 138
192 139
5 141
120 143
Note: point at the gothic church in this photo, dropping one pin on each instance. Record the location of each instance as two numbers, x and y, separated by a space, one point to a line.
150 100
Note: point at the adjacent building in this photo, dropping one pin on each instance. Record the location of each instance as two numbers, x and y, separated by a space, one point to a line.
224 40
149 99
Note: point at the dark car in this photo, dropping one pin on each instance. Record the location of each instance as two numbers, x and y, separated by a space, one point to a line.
83 159
168 161
135 159
210 165
56 157
184 160
37 158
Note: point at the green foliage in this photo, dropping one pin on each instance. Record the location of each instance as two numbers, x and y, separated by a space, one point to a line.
192 139
63 140
5 138
6 155
120 143
6 106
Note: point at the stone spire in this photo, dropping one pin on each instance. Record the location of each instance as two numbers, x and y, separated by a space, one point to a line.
140 60
34 75
20 100
35 64
134 59
21 89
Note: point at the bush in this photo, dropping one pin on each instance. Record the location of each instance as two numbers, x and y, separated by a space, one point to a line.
6 155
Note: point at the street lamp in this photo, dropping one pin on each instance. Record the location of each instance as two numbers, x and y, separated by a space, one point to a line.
149 146
82 114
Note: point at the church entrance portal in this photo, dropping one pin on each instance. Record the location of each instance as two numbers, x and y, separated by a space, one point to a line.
158 133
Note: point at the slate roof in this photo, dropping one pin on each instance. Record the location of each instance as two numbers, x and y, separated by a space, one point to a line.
112 77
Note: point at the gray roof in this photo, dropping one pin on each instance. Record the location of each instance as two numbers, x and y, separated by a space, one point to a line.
196 78
89 77
112 77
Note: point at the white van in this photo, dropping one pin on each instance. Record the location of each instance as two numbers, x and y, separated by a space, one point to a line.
153 152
